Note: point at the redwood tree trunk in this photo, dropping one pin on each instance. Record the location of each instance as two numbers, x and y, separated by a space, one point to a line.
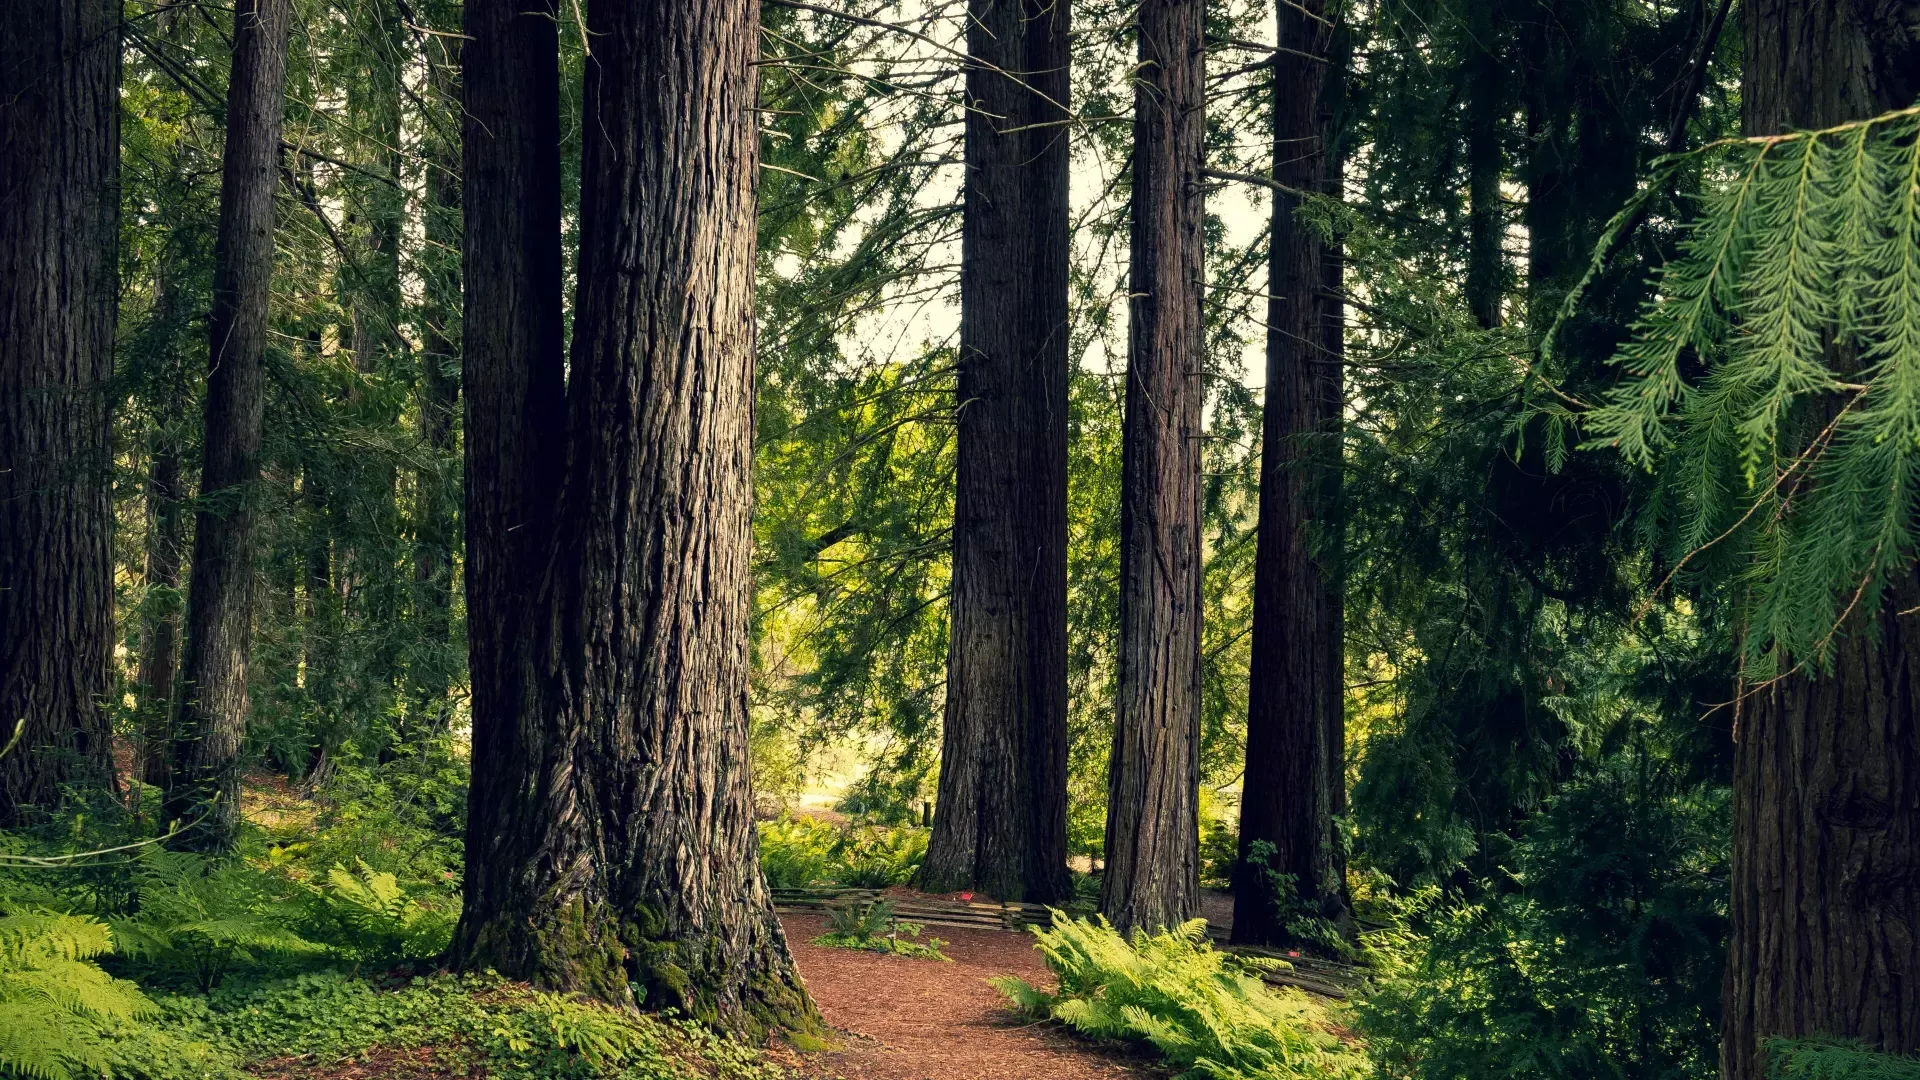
59 236
1000 824
213 693
1826 838
160 636
1293 782
627 850
524 844
1486 225
1152 843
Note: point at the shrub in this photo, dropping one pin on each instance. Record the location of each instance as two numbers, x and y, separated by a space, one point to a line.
1202 1009
1834 1059
803 852
873 927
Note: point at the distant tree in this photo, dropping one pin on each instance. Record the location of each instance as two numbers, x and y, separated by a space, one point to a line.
1152 843
1000 824
1294 781
212 717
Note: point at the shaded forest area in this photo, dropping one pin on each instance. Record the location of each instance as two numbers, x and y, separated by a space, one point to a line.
496 497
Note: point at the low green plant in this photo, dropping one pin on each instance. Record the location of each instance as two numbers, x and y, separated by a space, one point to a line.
804 852
1304 923
1208 1013
1835 1059
873 927
367 915
198 919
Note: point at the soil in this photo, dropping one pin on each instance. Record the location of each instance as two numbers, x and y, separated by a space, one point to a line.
907 1019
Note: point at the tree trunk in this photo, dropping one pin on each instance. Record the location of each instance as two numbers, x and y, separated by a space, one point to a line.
1486 224
1826 835
213 693
160 635
59 236
435 486
1296 692
525 851
1001 820
1152 843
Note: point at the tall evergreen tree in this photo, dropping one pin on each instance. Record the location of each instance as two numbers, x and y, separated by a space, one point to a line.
1000 823
639 862
1826 899
520 845
1296 699
1152 843
212 717
59 228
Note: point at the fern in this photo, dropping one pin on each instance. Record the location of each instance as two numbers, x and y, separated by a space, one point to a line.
54 1001
368 915
199 919
1196 1006
1821 1059
1796 298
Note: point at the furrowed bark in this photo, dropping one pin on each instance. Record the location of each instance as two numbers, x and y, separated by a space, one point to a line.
1000 824
1826 793
59 235
1294 780
212 717
526 853
645 612
1152 842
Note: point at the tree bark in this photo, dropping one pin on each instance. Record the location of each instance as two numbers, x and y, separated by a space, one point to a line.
1826 840
1296 693
1000 824
525 849
59 236
160 635
630 858
213 694
1152 842
1486 224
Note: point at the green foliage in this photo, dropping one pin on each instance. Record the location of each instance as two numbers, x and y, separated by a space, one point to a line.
1598 957
197 919
1198 1007
1774 381
368 915
1303 922
1832 1059
803 852
873 927
473 1023
53 1000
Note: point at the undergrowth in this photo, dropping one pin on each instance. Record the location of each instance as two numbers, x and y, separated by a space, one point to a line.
1208 1013
873 927
804 852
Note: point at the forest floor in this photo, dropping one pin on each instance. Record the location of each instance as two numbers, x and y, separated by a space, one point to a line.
899 1018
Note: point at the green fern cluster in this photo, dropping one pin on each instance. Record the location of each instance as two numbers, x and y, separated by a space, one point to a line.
1199 1007
1823 1059
199 919
1775 378
54 1001
367 915
804 852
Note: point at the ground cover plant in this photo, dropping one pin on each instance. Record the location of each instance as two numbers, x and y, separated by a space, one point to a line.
1207 1012
873 927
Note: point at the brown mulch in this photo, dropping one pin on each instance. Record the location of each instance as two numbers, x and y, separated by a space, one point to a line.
905 1019
380 1063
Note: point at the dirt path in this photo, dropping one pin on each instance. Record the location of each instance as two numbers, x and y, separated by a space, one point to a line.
905 1019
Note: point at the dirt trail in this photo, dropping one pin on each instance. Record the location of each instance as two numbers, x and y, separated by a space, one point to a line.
903 1019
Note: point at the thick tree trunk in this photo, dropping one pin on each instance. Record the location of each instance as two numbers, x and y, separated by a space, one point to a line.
213 693
1152 843
1296 692
525 850
59 235
435 487
1486 224
1826 771
1826 850
1000 824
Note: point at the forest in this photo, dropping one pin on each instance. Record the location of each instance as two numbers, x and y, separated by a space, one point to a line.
553 539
